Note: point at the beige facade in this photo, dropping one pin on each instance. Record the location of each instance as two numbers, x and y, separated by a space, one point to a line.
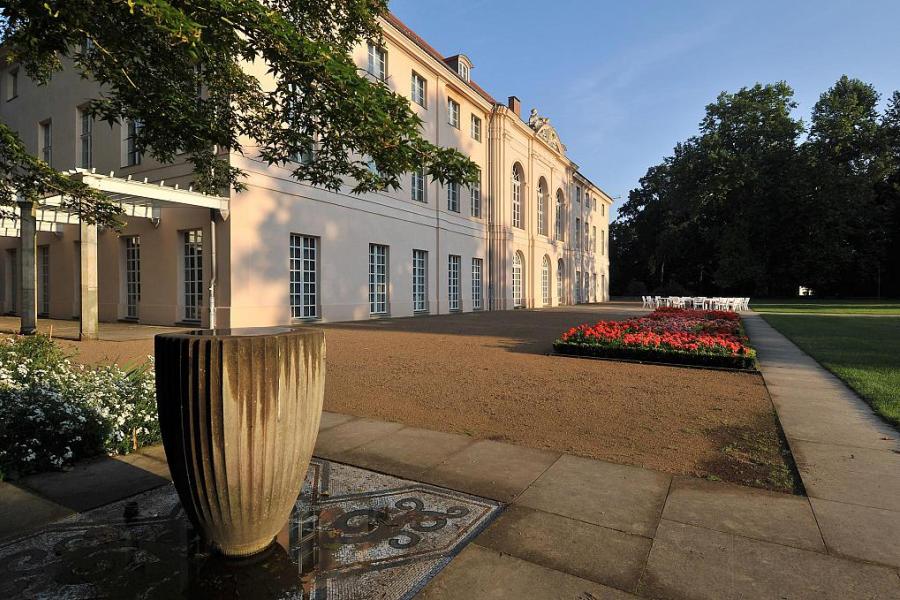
536 230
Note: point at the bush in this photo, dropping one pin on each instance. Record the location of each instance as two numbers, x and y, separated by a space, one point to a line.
54 412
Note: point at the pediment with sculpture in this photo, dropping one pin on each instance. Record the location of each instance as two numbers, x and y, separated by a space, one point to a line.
545 131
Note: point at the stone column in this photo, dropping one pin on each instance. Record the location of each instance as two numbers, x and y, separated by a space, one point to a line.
28 267
90 314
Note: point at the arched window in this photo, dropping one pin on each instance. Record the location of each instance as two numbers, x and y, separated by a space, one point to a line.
516 197
560 288
559 214
542 207
517 284
545 280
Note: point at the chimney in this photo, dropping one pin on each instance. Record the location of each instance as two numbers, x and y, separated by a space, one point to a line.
515 105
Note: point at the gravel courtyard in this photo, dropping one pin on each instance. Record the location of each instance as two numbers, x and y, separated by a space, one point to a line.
489 375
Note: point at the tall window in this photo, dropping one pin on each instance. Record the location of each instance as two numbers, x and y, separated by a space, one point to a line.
377 62
542 208
517 270
46 131
453 282
477 294
475 197
452 113
420 281
12 84
559 215
594 238
587 238
602 241
132 154
602 210
545 280
86 136
463 71
132 276
418 185
43 279
578 234
560 287
378 279
419 90
453 196
516 198
577 287
304 284
476 128
193 273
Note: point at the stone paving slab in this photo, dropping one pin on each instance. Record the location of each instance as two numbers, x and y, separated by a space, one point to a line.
333 419
407 452
692 562
491 469
849 474
826 424
757 514
334 442
581 549
488 575
870 534
23 510
101 481
621 497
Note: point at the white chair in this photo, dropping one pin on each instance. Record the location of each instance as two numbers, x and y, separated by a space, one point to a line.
646 302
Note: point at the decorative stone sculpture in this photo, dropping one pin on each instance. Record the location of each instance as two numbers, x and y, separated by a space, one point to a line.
239 412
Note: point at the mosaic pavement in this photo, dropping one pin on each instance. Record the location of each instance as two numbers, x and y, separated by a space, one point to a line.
354 534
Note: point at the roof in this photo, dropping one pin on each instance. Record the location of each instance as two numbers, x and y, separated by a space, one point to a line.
430 50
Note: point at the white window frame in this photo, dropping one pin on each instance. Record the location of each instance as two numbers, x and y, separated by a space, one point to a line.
518 269
132 156
304 276
545 281
560 281
452 196
377 66
86 138
453 112
418 190
192 269
475 198
131 248
378 280
43 279
476 128
542 210
516 199
419 91
45 138
12 84
577 233
464 71
477 283
420 281
454 278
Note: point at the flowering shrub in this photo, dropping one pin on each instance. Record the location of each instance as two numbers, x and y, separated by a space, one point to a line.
674 335
54 412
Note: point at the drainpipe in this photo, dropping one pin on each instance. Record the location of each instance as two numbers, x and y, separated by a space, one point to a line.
213 270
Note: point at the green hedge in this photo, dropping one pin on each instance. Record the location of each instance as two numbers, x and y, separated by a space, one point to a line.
659 355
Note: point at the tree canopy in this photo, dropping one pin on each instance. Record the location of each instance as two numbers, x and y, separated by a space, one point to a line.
757 203
178 67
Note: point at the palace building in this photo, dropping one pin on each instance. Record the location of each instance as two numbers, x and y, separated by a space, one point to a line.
532 234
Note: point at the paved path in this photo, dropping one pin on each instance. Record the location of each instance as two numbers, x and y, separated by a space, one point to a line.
848 458
573 528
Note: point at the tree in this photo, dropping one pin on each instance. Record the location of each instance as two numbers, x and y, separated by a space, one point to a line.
179 68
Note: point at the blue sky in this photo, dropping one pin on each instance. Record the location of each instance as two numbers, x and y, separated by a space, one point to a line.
624 81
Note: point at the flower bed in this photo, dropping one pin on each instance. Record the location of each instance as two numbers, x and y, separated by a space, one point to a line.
670 335
54 412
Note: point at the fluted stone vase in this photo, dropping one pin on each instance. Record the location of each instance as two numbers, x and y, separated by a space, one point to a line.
239 411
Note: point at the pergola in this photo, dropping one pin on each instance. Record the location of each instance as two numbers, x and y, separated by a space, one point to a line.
138 199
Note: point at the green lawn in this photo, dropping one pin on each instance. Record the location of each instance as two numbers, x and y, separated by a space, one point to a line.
863 351
815 306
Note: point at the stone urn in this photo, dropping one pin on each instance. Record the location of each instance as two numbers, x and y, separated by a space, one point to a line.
239 411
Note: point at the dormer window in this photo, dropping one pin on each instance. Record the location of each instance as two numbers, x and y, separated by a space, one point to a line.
464 71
